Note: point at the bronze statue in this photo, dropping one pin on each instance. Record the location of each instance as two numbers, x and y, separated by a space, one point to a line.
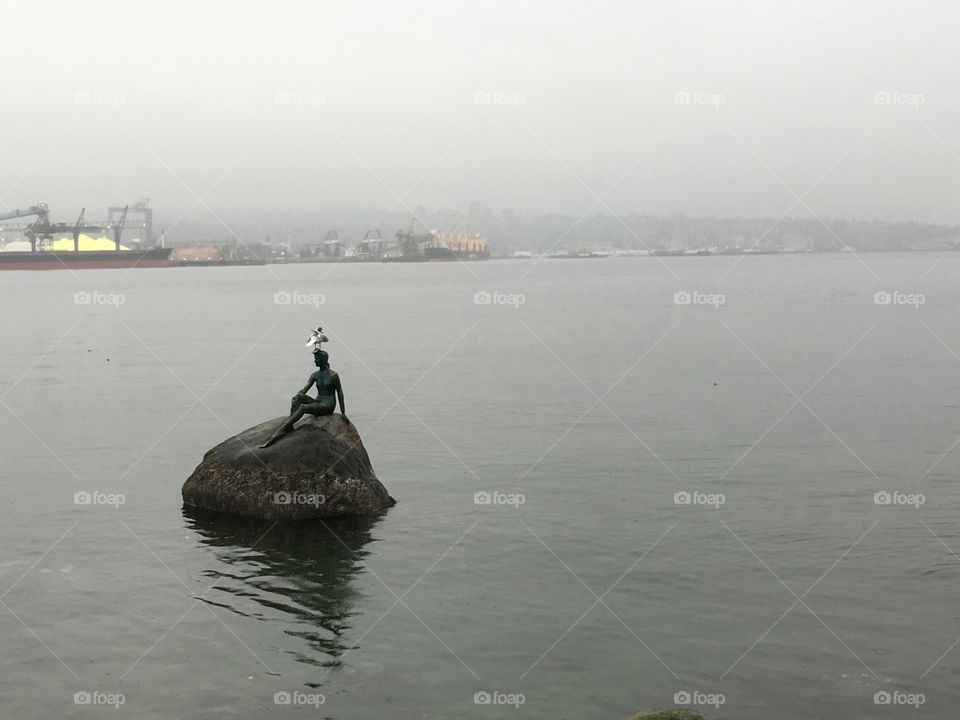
328 384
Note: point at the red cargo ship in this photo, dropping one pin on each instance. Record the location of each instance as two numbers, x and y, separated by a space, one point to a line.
56 260
42 232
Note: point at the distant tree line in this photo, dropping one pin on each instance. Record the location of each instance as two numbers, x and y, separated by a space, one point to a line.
509 231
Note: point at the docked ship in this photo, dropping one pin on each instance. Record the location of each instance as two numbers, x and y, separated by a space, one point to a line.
71 260
49 248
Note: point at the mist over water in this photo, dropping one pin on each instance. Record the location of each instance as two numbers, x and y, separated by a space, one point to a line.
251 115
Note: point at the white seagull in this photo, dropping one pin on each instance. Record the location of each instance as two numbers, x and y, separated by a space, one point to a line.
316 338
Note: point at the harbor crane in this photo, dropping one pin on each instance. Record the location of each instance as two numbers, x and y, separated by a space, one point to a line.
40 210
118 228
42 229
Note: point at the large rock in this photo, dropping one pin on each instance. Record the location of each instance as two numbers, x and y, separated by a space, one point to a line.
320 469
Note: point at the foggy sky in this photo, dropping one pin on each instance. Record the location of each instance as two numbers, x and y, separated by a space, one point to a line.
238 107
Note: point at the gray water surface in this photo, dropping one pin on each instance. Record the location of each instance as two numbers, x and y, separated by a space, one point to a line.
597 400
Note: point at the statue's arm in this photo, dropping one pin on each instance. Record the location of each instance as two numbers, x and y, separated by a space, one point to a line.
306 388
339 388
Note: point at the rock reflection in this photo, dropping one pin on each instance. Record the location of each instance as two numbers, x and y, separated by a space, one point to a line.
296 574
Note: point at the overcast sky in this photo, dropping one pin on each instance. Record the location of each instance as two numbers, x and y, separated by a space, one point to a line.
750 108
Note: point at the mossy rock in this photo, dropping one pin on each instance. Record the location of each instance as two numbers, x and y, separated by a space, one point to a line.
671 714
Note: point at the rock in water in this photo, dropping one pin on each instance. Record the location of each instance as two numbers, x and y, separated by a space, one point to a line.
320 469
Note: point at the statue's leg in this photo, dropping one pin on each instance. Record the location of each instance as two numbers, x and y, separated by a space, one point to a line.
291 421
324 407
286 427
318 408
298 400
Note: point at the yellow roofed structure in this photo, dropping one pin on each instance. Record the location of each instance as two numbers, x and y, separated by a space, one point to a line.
87 243
65 244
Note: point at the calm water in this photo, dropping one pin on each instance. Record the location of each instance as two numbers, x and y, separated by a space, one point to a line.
796 401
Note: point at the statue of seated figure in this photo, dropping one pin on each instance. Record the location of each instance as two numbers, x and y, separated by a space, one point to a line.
329 392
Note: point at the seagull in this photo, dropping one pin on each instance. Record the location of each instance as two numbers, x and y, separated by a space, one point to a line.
316 338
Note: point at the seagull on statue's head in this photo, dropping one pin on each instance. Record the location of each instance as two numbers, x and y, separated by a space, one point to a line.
316 338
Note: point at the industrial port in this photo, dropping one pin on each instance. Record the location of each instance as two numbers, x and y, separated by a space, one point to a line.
30 241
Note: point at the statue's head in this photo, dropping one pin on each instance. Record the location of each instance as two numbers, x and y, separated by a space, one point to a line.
321 359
